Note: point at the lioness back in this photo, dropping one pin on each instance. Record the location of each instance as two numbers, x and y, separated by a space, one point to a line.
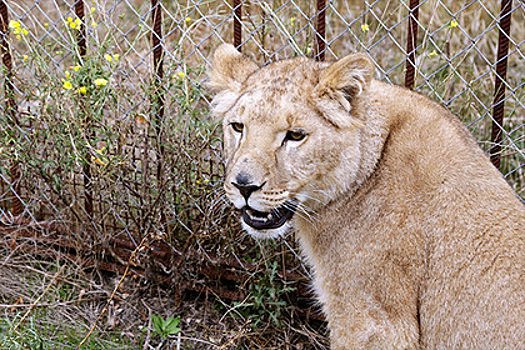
416 241
435 181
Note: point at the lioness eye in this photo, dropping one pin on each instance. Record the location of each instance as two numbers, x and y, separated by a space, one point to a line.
237 127
295 135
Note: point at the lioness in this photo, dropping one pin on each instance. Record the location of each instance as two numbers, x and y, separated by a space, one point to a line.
416 241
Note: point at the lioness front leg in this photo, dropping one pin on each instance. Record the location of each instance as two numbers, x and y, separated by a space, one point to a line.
367 320
372 329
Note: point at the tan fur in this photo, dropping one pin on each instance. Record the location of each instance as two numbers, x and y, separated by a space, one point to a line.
416 241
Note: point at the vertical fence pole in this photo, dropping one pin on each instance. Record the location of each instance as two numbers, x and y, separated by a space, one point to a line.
499 86
411 44
10 105
237 27
81 37
158 96
158 60
86 168
321 30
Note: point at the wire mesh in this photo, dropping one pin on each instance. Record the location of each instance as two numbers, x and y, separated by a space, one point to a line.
108 132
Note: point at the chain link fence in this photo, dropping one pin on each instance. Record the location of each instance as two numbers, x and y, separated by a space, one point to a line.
106 142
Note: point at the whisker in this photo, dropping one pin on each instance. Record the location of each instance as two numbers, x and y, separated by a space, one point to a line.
303 264
301 212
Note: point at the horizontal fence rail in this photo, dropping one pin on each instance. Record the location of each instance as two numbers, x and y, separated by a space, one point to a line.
105 133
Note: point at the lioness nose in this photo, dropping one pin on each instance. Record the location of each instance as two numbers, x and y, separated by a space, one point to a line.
247 190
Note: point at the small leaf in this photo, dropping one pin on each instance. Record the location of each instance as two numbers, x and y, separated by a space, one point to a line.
172 330
172 325
158 324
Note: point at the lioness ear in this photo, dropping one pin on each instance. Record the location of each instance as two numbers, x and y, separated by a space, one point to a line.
229 69
342 82
346 78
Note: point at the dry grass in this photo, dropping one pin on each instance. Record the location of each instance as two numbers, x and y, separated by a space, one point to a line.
115 133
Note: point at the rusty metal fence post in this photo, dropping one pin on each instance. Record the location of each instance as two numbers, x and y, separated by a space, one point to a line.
500 81
158 63
81 35
237 27
158 100
86 168
320 34
411 44
158 54
10 105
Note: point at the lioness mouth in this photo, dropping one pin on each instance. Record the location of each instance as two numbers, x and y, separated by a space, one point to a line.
268 220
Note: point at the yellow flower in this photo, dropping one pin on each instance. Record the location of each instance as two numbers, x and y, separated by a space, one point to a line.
82 90
68 75
180 75
92 10
14 24
365 28
97 159
25 58
432 54
67 85
292 21
453 23
94 24
198 182
74 24
111 58
100 82
187 19
77 68
46 25
308 50
18 30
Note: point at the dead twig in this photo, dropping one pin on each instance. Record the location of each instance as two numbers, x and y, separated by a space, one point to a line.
130 262
38 299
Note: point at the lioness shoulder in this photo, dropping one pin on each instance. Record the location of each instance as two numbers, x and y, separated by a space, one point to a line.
416 241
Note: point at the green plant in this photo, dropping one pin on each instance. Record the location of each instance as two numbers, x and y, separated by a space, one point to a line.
29 338
167 327
266 300
40 332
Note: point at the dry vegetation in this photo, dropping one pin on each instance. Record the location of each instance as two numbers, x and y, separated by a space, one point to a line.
158 178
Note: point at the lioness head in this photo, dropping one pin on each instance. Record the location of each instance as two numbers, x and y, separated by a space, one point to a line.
291 134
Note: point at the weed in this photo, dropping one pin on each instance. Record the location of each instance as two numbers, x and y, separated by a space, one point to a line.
165 328
40 333
266 301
